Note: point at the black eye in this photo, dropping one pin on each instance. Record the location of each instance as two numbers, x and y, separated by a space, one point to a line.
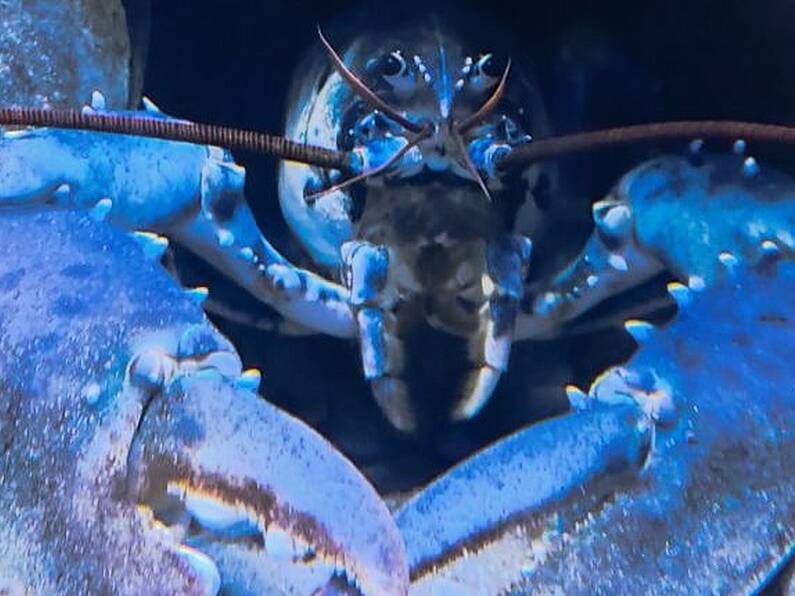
392 65
492 66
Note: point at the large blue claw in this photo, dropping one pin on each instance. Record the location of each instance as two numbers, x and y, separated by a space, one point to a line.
468 528
711 509
132 459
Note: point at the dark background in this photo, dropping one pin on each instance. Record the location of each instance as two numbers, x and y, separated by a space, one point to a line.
600 63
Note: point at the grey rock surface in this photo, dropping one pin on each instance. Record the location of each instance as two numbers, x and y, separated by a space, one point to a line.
56 52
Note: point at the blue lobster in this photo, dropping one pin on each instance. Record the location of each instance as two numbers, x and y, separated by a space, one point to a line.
137 458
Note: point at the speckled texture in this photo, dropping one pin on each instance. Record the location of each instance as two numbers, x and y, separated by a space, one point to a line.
78 303
56 52
70 315
712 508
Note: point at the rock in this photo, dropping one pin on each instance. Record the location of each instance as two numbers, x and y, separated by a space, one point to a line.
56 52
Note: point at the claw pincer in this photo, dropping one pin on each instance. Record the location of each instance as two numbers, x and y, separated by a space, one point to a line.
136 457
672 473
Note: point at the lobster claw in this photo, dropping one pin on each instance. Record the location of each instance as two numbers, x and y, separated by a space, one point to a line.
673 471
137 459
227 475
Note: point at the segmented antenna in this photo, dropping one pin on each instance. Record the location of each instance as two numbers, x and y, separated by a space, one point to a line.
644 133
179 130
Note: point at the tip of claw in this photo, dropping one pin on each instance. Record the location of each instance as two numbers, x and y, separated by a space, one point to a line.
770 248
478 390
392 397
729 261
150 106
204 568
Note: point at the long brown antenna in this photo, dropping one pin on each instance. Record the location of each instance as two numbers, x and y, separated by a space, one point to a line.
179 130
364 91
644 133
490 104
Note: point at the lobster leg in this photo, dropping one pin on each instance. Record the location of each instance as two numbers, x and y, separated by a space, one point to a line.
507 258
648 224
192 194
611 261
366 268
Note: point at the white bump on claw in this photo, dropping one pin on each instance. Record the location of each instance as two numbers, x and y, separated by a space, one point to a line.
98 100
91 393
680 293
591 280
225 238
100 211
612 219
618 262
578 399
153 245
696 146
247 253
285 278
696 283
750 167
640 331
547 303
739 146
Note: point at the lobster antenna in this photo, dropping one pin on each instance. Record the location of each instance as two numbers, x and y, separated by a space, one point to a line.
179 130
643 133
364 91
489 105
469 165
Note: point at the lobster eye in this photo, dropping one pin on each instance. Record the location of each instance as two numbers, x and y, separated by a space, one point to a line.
392 66
491 66
486 72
